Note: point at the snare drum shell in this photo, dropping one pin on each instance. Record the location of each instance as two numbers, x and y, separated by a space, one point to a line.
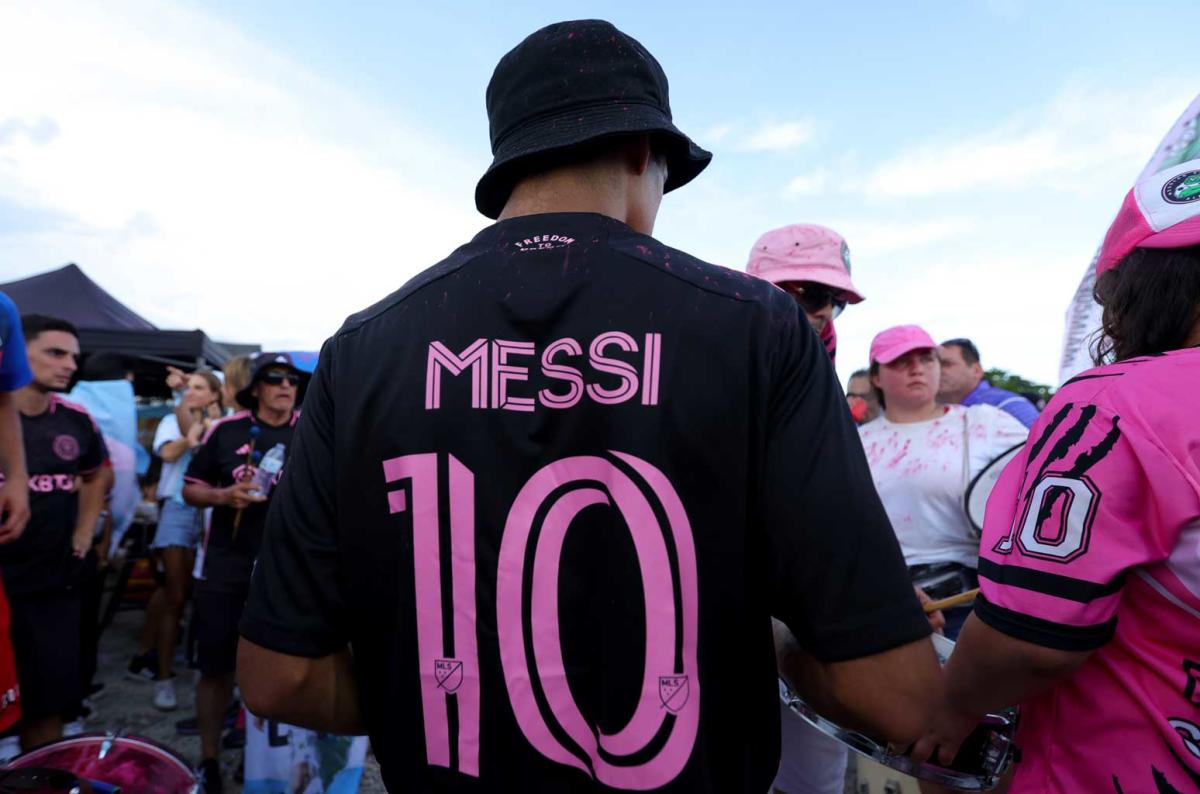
132 763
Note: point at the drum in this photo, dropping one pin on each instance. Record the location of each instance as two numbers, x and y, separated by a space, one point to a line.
130 764
981 762
980 488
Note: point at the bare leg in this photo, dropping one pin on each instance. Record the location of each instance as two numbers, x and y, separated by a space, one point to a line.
154 611
213 694
177 562
39 731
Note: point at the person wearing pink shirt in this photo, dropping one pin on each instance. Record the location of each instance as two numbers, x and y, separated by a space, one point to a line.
1089 614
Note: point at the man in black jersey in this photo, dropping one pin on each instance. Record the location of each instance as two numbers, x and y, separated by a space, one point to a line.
69 477
222 475
546 497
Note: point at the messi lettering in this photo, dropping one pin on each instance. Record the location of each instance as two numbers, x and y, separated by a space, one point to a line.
611 369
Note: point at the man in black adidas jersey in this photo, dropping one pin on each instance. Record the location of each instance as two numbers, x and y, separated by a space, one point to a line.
546 497
69 477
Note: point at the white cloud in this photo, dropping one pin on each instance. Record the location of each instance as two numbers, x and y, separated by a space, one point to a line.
779 136
193 173
807 184
1083 142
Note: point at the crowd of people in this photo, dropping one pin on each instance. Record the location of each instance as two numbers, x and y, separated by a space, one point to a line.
598 573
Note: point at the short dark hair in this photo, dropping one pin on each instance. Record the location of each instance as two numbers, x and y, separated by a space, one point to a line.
860 373
1151 303
32 325
970 353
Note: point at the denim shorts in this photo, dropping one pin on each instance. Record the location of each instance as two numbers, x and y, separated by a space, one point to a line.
178 525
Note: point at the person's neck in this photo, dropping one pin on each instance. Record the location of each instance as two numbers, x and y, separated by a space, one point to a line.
32 400
564 191
959 396
273 416
901 415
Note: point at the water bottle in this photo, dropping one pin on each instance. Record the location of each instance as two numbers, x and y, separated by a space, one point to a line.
264 475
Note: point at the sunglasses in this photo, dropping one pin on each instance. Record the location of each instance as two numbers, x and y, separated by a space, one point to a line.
814 297
278 378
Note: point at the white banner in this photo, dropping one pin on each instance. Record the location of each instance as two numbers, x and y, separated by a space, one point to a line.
284 759
1083 315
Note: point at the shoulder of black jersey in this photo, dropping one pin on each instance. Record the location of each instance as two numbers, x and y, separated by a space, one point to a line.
734 284
74 409
226 423
461 256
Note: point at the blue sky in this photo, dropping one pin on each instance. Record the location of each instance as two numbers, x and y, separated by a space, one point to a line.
195 158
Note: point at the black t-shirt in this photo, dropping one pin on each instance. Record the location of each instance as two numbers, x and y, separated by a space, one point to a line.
61 445
551 492
224 458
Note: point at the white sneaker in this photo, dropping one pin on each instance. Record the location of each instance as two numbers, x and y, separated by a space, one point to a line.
164 695
73 728
10 748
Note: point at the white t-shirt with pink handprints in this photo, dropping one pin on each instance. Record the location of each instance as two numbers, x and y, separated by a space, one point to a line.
919 471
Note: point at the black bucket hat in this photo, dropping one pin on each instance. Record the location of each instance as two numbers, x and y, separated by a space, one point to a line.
259 365
574 82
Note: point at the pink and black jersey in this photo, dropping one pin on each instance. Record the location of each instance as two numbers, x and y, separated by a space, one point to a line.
1092 541
61 444
551 493
231 448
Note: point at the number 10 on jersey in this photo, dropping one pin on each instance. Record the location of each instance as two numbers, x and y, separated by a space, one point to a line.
668 710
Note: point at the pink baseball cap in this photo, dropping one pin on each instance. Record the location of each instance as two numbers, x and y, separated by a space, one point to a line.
804 252
1162 211
889 345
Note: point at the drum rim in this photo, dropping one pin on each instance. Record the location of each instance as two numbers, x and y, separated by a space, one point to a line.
975 481
901 763
82 738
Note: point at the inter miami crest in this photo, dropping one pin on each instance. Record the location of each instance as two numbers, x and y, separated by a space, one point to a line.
448 673
673 692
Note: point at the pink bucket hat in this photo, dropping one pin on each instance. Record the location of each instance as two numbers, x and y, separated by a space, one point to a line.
804 252
1162 211
889 345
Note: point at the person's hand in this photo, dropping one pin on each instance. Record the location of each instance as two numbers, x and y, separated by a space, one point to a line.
195 433
176 379
936 619
14 507
941 742
81 541
238 495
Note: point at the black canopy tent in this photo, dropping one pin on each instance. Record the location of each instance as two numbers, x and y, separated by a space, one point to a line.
106 324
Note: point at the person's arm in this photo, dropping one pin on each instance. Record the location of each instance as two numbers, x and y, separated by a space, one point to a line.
237 496
990 671
886 694
93 491
14 494
858 641
320 694
200 483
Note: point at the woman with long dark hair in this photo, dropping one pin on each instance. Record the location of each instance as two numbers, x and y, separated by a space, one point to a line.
1089 615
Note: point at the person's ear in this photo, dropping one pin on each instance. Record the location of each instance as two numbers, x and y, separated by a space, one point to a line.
638 154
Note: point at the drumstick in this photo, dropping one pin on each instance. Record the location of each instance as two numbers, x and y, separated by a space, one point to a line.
965 597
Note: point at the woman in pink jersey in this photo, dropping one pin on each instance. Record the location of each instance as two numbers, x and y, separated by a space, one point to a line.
1089 615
